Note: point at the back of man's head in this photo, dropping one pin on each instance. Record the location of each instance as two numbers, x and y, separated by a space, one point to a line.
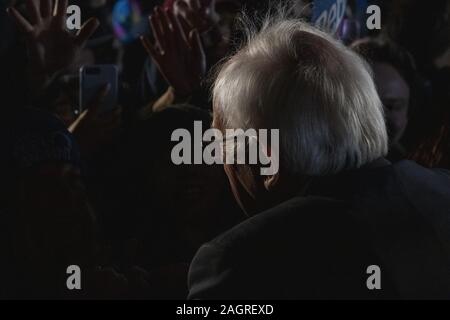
318 93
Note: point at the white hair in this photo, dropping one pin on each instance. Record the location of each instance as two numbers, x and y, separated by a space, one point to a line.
318 93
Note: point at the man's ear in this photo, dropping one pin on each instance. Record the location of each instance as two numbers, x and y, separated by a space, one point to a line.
272 182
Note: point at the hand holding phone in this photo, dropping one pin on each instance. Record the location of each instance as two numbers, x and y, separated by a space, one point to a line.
93 128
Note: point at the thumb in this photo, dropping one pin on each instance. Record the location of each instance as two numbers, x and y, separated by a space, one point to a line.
73 127
196 44
198 53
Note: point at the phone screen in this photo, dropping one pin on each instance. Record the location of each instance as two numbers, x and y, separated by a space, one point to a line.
92 80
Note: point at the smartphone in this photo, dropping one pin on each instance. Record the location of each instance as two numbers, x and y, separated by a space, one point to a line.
92 80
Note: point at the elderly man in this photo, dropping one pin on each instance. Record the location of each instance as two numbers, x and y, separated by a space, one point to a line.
337 220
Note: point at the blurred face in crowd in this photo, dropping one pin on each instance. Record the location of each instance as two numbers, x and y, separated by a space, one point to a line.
395 95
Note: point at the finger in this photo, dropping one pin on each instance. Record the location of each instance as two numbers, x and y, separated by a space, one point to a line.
197 49
46 8
97 102
77 121
182 7
61 12
196 43
184 26
157 31
86 31
151 50
198 54
20 21
164 20
186 12
167 39
208 3
154 53
33 10
176 27
61 8
195 5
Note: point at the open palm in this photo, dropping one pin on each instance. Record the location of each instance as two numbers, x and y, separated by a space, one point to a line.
52 47
200 14
177 51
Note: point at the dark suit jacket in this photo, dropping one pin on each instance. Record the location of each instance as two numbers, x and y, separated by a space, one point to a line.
319 246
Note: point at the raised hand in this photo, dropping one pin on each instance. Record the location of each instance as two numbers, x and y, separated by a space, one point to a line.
177 51
52 47
200 14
